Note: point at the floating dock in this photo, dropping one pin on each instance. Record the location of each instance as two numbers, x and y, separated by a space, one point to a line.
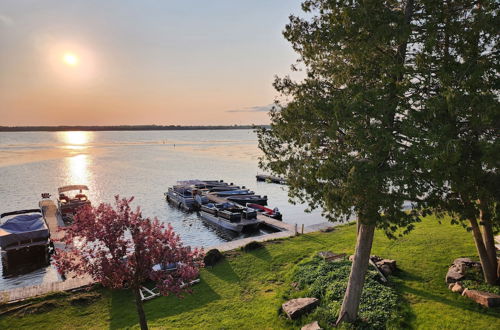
270 178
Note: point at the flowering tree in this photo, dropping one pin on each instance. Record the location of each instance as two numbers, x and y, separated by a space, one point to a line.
118 248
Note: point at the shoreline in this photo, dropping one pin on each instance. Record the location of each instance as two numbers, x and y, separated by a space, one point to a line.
64 128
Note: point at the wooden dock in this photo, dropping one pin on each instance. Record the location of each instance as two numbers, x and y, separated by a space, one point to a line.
270 178
19 294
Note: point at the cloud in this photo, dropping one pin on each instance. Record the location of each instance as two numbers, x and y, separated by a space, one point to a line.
257 108
6 20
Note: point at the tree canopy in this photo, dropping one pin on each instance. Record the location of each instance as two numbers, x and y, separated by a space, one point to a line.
399 105
119 248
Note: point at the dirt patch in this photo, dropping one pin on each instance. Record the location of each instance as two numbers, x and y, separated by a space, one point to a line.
86 298
41 307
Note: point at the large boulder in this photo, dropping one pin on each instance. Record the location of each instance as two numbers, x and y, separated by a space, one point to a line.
454 274
311 326
484 298
458 269
296 307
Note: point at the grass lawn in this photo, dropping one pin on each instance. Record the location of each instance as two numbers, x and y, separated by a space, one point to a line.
246 290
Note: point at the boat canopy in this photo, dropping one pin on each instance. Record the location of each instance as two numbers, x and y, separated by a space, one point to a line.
72 187
23 228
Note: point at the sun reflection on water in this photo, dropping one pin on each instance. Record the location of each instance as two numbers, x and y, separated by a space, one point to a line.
78 169
76 140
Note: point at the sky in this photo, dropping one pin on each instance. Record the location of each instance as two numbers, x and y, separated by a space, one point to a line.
124 62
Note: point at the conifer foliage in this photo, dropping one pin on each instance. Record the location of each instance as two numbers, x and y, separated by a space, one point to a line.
390 89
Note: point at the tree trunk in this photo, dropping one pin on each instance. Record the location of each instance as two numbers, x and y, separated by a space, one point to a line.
489 272
350 305
488 237
140 310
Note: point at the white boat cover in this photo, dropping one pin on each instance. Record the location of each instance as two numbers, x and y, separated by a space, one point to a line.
22 228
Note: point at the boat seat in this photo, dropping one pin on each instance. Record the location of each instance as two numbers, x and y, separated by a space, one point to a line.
81 197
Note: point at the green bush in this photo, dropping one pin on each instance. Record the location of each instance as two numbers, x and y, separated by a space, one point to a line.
212 257
327 281
253 245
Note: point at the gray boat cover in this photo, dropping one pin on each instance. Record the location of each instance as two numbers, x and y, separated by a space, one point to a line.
22 228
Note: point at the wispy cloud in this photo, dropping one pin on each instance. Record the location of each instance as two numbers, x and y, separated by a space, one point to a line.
6 20
257 108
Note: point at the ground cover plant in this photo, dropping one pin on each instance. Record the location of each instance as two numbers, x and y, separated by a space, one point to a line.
246 289
327 281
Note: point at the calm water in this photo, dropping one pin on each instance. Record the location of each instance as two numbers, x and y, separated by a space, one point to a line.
141 164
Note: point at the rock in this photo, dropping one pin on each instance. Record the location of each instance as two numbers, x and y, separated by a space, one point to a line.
296 307
386 266
465 292
311 326
484 298
451 285
385 269
463 261
351 257
453 275
389 262
457 287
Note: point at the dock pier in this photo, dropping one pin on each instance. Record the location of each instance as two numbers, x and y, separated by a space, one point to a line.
270 178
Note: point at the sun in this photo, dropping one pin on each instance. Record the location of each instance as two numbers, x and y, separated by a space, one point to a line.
70 59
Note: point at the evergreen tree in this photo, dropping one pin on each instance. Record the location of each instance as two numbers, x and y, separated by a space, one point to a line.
341 138
457 84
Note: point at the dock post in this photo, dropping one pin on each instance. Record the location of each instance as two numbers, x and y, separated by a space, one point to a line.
296 229
302 231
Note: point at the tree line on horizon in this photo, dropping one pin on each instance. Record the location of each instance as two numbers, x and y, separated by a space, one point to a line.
124 128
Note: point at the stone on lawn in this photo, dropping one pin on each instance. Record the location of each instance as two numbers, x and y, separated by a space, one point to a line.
296 307
311 326
385 269
386 266
484 298
457 287
463 261
453 275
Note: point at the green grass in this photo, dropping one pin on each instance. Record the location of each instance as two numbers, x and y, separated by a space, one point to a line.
247 289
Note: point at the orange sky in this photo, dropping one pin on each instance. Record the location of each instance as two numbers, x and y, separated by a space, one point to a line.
149 62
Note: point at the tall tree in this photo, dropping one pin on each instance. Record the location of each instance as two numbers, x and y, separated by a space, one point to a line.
118 248
457 118
340 136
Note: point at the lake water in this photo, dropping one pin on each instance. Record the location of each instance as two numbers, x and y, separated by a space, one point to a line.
136 163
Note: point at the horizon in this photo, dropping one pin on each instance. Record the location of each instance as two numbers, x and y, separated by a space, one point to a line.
193 63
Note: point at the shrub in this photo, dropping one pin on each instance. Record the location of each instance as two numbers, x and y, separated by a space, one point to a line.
212 257
481 286
253 245
327 281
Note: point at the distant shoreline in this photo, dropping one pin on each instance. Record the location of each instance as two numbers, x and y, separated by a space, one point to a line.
122 128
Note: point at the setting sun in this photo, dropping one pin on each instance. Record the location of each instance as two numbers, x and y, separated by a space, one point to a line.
70 59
